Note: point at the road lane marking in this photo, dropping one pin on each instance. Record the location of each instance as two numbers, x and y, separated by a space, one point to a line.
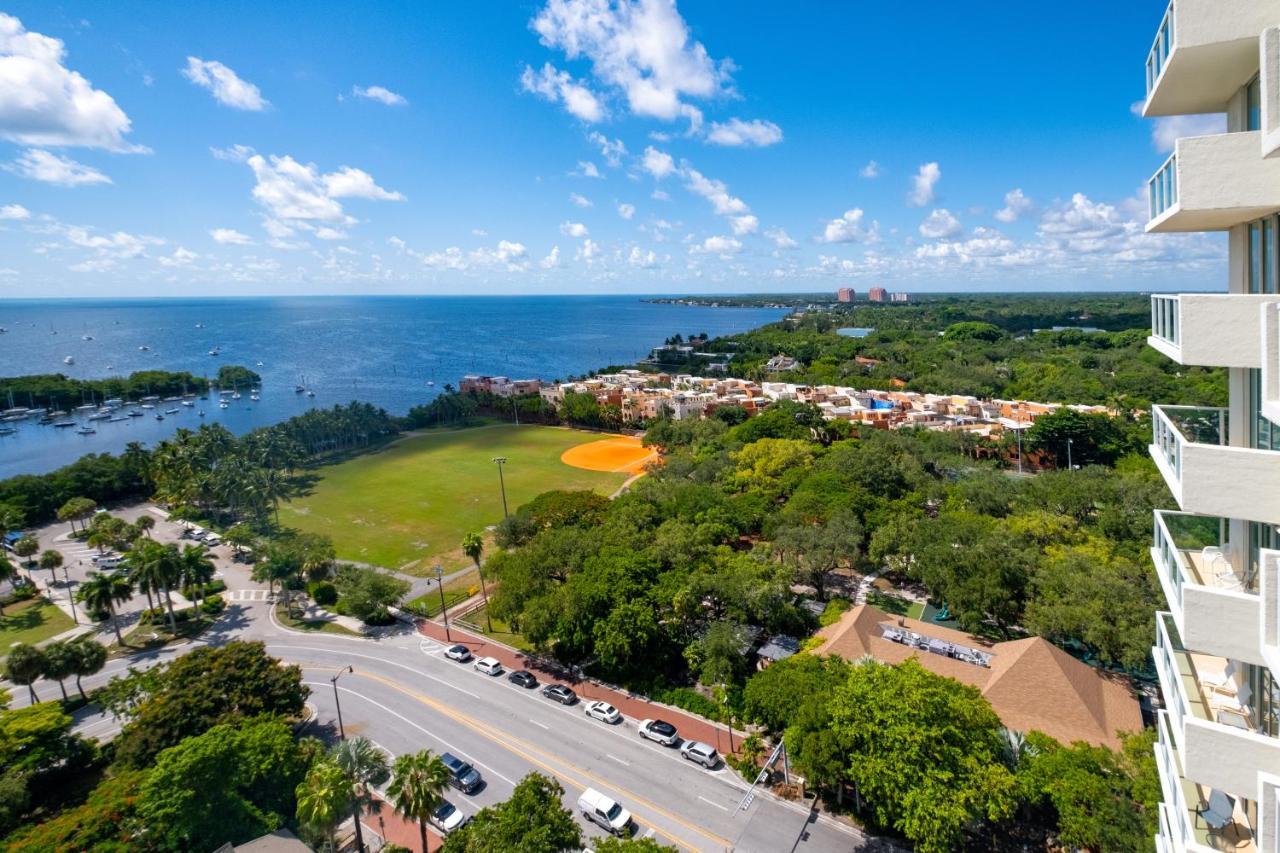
713 803
617 759
381 660
536 723
526 750
426 732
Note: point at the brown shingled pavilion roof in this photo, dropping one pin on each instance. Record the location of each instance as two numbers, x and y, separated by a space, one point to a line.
1031 683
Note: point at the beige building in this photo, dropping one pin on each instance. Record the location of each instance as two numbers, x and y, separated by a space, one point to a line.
1218 644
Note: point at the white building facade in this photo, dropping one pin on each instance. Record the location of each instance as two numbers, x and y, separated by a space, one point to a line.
1217 556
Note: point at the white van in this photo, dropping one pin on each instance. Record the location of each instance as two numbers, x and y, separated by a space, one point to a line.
212 540
605 812
110 562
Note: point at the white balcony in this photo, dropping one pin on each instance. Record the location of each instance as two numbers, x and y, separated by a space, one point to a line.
1207 477
1203 52
1205 591
1212 183
1213 716
1209 329
1181 826
1269 596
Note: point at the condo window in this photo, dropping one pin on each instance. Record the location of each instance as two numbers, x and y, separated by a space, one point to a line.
1266 698
1256 282
1253 105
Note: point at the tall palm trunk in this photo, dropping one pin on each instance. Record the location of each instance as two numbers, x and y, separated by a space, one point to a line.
173 623
151 605
31 688
422 830
115 623
63 687
81 689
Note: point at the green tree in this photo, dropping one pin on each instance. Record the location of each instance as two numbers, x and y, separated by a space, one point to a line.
102 592
365 766
718 657
369 592
532 821
26 547
206 687
8 574
50 560
104 822
230 784
418 782
1095 439
473 547
815 551
923 751
145 524
156 566
194 570
775 696
24 665
60 660
88 658
324 799
37 737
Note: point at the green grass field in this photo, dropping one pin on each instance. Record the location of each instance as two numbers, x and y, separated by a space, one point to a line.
31 621
409 505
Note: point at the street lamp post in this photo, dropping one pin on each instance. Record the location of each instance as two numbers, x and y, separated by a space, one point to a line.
500 461
342 732
444 611
71 594
1070 467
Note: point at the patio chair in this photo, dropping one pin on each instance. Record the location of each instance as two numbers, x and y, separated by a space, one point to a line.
1218 813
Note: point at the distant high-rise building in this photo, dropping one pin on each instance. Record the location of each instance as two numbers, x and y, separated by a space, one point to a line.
877 294
899 297
1217 557
844 294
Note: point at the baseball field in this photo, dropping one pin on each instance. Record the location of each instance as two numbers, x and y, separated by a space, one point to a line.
409 505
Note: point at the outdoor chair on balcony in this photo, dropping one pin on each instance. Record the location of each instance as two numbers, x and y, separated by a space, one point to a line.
1217 558
1218 815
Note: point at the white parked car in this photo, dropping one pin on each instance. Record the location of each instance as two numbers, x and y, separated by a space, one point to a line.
700 753
659 731
459 653
489 666
603 711
447 818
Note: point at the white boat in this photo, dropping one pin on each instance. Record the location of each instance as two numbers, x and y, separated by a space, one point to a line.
68 360
88 407
311 393
99 416
430 384
64 424
86 337
86 430
259 363
224 405
187 403
143 348
235 395
135 414
172 411
254 397
215 351
159 416
116 420
148 406
202 413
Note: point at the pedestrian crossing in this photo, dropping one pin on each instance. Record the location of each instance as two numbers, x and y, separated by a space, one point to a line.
249 595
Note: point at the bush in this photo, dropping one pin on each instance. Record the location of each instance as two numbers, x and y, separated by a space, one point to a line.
213 586
324 593
160 616
213 605
834 610
379 618
690 700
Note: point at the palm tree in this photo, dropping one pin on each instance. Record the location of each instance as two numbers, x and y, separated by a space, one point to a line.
195 569
323 798
365 766
473 547
145 524
59 663
103 592
8 572
156 566
418 781
90 657
51 560
24 665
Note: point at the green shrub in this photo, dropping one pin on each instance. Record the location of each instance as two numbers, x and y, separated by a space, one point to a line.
324 593
834 609
216 585
690 700
213 605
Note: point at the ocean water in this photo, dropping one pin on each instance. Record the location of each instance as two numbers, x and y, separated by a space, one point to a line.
381 350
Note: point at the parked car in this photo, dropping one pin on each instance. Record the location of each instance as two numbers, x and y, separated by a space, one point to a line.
212 540
524 678
110 561
700 753
447 818
489 666
462 775
193 532
560 693
659 731
461 654
604 811
603 711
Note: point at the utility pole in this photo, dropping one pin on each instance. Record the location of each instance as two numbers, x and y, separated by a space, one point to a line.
515 409
500 461
444 612
71 594
1070 467
342 732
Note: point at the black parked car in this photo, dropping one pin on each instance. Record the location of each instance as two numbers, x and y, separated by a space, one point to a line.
524 678
560 693
462 775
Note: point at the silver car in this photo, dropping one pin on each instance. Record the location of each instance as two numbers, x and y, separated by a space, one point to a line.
700 753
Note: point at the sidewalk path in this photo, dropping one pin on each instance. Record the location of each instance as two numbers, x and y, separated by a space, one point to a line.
691 727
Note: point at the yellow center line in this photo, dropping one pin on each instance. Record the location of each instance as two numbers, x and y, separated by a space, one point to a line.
524 749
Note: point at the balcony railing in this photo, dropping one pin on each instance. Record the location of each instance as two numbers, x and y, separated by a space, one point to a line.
1173 427
1165 310
1160 50
1162 189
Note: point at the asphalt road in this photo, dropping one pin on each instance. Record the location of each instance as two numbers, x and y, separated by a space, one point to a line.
406 696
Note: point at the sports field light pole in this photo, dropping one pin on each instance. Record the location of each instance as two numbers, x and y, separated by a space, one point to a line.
500 461
444 611
342 732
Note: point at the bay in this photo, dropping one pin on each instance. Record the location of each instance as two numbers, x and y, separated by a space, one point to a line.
381 350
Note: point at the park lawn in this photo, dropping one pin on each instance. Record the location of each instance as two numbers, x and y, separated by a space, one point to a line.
324 626
31 621
408 506
149 638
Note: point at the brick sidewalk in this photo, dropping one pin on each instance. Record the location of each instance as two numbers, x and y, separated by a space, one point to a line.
691 727
396 830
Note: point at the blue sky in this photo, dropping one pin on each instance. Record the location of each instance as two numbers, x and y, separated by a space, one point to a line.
581 146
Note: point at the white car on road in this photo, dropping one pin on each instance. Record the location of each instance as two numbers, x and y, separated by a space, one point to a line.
603 711
447 818
659 731
489 666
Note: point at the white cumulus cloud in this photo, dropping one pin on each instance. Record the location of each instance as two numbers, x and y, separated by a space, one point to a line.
580 201
939 224
871 170
747 224
849 228
1015 204
736 132
714 191
781 239
587 169
229 237
922 184
718 245
611 149
658 163
14 211
573 229
224 84
49 168
626 211
559 87
381 94
42 102
642 259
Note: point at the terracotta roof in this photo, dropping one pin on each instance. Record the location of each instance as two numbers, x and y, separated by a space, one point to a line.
1031 683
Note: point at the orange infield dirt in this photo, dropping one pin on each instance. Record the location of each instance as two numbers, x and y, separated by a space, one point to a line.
619 454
